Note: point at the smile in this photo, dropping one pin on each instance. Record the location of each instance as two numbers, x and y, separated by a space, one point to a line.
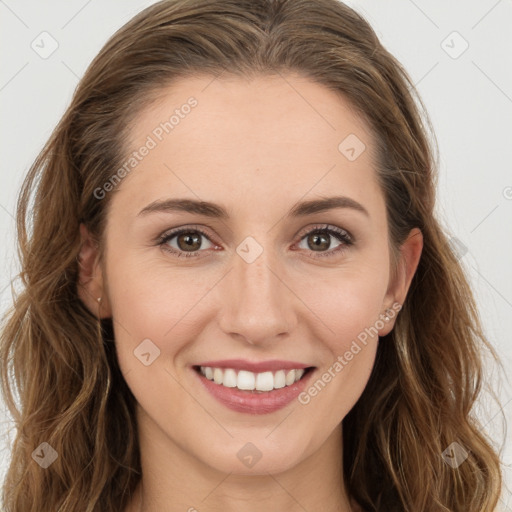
254 392
249 381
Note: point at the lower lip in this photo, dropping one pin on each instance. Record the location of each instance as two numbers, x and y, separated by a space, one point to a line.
255 402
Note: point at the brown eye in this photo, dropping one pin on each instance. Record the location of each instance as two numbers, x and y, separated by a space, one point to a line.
189 241
185 242
319 241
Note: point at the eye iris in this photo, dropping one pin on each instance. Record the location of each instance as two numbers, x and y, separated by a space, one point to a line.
320 240
192 241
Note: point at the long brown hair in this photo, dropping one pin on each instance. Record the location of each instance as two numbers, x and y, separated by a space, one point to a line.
60 360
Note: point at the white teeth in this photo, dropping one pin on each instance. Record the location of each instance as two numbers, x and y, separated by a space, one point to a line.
249 381
217 376
245 380
230 379
265 381
279 379
290 377
208 372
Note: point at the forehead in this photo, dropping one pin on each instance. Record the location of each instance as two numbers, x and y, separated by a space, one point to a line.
271 137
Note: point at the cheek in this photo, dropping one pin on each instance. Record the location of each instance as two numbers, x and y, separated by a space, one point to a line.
349 310
154 321
345 304
162 307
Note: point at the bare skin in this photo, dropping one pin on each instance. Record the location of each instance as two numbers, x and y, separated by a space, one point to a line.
256 148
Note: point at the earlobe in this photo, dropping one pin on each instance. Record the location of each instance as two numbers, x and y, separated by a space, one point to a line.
410 254
90 286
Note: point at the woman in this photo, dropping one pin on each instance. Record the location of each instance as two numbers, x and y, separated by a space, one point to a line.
237 294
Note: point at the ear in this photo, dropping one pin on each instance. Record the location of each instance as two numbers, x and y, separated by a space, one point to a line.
410 253
90 285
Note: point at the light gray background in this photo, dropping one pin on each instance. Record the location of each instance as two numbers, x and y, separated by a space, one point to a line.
468 96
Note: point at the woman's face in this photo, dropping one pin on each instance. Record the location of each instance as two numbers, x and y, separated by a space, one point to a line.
253 279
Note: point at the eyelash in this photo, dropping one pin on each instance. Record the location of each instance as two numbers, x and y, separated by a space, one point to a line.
340 234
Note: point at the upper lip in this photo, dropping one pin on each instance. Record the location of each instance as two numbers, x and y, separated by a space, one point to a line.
255 366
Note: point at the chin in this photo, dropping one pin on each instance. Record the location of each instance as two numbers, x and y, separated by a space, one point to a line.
258 456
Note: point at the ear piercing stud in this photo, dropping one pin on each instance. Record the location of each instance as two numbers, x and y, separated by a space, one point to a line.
387 318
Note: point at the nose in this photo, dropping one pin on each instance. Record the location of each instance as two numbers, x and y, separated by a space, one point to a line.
257 304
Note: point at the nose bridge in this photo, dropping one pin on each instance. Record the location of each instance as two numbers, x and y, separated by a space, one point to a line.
257 305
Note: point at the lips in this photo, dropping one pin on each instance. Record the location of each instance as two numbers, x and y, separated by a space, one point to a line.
254 387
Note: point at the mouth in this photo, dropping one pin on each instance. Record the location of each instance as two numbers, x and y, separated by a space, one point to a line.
252 382
250 392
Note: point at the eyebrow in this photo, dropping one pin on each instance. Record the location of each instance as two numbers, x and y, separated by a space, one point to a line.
213 210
